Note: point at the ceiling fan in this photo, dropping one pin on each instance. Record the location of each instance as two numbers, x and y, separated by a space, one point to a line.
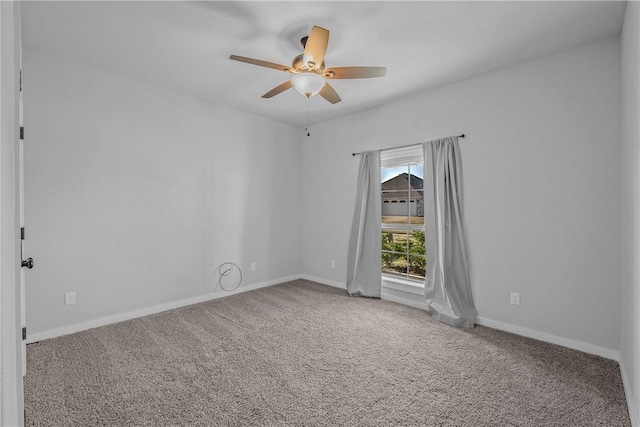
309 70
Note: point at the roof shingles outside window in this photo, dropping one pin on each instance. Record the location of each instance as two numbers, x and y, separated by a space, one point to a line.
395 189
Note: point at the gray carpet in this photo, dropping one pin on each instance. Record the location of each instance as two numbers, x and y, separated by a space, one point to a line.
301 354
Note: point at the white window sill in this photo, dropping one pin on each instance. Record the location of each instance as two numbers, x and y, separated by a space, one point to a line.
404 285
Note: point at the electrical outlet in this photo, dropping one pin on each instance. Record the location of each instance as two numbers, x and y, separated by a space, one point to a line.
69 298
253 266
333 264
515 298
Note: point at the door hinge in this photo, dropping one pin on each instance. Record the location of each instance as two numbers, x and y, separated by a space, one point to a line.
21 132
24 333
22 233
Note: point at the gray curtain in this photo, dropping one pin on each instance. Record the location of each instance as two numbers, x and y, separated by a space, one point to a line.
447 287
364 277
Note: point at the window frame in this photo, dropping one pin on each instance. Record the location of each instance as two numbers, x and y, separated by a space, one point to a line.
409 158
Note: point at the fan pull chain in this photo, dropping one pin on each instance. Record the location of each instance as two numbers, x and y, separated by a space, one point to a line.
306 104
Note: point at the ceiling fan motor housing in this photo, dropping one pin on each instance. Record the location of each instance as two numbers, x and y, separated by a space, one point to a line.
299 65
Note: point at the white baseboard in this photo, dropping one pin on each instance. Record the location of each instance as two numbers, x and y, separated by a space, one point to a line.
385 296
418 302
411 303
94 323
323 281
553 339
120 317
632 403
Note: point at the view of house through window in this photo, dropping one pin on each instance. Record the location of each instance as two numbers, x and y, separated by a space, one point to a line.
403 237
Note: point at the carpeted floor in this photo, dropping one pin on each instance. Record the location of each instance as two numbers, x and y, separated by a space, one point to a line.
304 354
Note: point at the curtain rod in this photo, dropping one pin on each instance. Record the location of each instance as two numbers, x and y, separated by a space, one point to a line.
401 146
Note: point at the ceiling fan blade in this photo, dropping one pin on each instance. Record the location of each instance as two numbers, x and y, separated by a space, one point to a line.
354 72
278 89
328 93
316 46
261 63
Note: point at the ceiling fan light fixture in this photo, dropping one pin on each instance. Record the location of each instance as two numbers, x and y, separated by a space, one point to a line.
309 69
308 84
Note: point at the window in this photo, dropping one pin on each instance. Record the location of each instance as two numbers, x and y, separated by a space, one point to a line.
403 238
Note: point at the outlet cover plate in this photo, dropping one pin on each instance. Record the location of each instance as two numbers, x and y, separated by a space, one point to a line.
515 298
69 298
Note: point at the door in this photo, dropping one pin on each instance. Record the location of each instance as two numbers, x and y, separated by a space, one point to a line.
27 263
23 322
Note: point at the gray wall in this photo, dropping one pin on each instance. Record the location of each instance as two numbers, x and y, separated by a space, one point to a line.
136 194
630 310
542 187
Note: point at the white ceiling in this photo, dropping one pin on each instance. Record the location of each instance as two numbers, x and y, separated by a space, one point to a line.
186 45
